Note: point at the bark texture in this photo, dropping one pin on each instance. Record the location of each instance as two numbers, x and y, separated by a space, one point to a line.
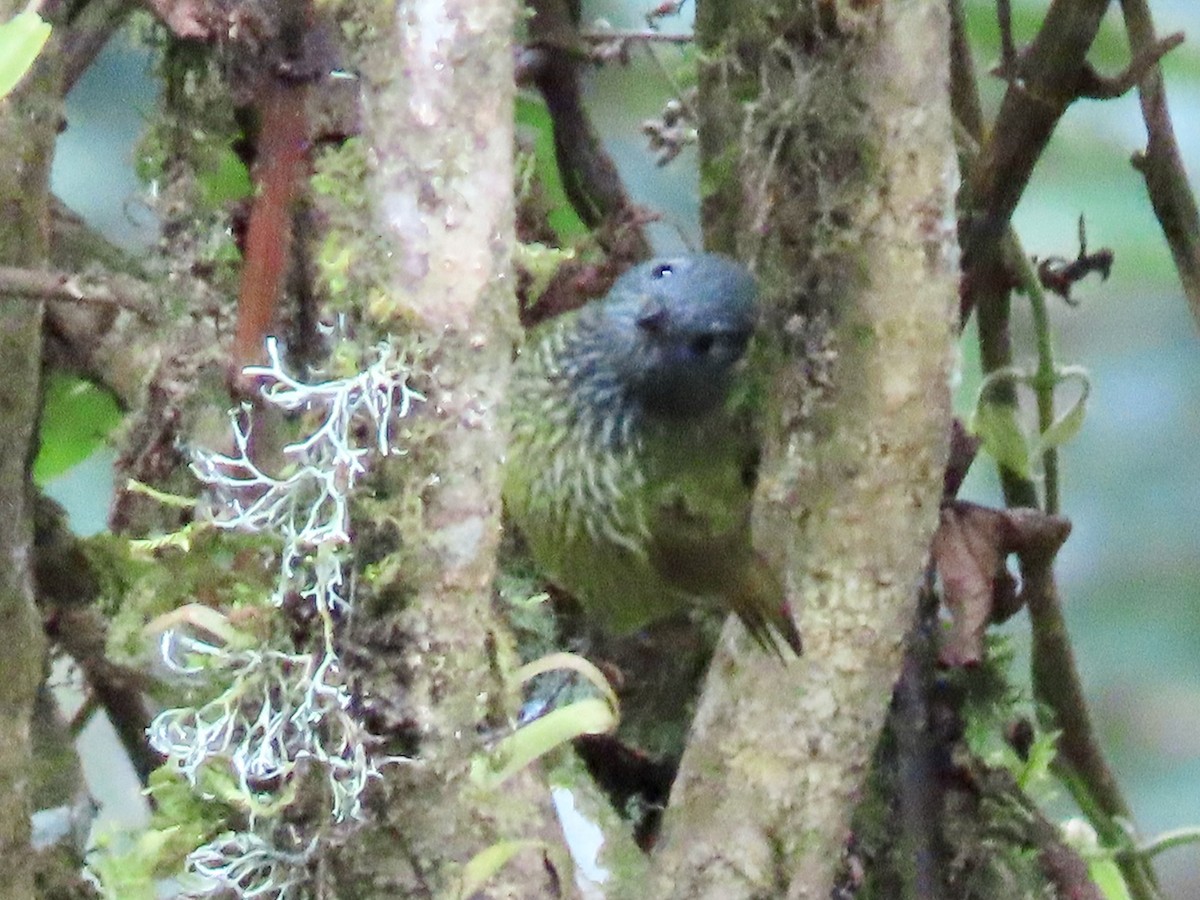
828 164
29 121
438 123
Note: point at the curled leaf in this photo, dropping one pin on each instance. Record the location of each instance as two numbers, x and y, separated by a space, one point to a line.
539 737
573 662
490 860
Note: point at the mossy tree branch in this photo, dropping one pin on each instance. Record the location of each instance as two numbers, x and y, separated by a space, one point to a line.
29 120
438 119
827 162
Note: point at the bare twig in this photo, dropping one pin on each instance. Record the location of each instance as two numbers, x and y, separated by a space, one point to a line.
1080 761
648 35
1059 274
1179 837
589 176
963 448
81 632
1099 87
1008 49
66 584
1047 82
119 291
964 88
1161 165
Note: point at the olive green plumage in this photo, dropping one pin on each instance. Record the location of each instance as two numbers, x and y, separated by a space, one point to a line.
632 462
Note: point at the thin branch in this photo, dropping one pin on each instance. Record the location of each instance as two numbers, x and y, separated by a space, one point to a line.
1168 840
120 291
589 176
1058 274
964 87
1046 83
83 715
647 35
279 169
1099 87
66 584
989 279
964 447
677 90
1008 49
88 33
1046 377
81 632
1162 166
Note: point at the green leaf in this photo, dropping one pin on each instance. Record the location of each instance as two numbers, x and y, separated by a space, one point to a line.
21 40
77 417
539 737
1034 771
1107 877
996 426
488 862
533 118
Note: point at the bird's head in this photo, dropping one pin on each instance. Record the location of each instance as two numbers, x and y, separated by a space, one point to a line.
674 328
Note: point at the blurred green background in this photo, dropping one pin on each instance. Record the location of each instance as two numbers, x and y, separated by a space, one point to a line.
1130 481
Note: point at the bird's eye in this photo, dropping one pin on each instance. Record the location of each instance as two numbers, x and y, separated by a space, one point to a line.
662 270
702 344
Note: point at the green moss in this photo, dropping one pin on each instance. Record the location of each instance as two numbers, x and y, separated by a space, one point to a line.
130 867
362 23
225 570
718 173
519 588
352 259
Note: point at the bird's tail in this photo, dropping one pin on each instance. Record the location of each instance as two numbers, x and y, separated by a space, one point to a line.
761 604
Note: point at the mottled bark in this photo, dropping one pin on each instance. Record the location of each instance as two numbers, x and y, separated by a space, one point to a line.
841 194
438 121
29 121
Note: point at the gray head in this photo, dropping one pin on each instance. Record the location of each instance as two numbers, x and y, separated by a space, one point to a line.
672 329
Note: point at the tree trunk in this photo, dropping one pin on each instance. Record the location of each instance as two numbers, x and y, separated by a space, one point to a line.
29 121
841 195
438 119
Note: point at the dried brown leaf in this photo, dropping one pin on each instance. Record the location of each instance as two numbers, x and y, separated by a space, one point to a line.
970 549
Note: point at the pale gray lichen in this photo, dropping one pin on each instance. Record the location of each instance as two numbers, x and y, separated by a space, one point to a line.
279 714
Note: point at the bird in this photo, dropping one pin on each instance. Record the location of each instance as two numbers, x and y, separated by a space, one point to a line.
633 450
